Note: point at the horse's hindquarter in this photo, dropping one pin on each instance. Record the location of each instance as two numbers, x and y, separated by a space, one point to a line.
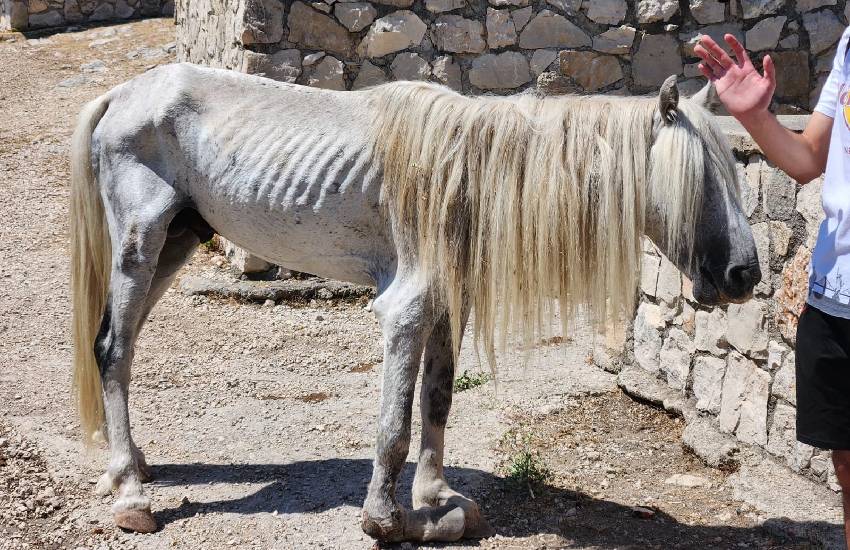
284 171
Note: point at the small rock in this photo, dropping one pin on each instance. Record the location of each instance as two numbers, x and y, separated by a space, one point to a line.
688 481
643 513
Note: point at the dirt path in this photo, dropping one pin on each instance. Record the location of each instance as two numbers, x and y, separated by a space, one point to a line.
259 421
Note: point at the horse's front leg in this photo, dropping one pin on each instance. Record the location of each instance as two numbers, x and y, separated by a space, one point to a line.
430 488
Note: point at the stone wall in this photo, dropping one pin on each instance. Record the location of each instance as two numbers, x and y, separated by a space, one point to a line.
22 15
617 46
730 370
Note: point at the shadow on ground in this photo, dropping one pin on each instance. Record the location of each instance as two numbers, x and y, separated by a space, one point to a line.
571 518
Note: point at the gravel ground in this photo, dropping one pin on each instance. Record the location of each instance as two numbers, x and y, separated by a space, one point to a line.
259 420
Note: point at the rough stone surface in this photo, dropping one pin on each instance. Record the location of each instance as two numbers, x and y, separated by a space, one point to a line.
355 16
782 436
656 59
284 65
521 17
647 336
785 381
714 448
746 328
792 294
447 72
675 358
617 40
590 70
311 29
369 75
500 29
551 30
792 74
650 264
761 235
716 32
765 34
409 66
650 11
757 8
711 329
810 207
499 71
669 282
329 74
707 383
454 33
809 5
708 11
779 192
607 12
743 408
541 59
824 30
440 6
394 32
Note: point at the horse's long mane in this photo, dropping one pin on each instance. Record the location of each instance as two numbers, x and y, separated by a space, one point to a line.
521 206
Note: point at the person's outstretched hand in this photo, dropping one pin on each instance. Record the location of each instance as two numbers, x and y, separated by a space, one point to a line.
741 89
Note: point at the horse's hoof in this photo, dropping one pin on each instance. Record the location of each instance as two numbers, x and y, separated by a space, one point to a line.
136 520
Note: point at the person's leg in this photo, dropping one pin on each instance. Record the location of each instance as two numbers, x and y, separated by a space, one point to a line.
841 460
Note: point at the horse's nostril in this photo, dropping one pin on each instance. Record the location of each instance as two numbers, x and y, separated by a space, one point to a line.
744 275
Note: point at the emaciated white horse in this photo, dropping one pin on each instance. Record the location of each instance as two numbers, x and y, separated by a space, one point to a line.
513 207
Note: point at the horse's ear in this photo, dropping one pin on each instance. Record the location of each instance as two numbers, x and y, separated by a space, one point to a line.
707 97
668 100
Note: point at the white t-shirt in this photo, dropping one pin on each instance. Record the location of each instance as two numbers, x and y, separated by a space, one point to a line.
829 272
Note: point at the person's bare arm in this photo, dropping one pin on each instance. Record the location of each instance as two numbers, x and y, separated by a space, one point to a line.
746 95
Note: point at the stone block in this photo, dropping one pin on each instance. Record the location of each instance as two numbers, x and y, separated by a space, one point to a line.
506 3
499 71
710 331
541 59
746 330
708 11
782 436
743 406
809 206
616 40
54 18
244 261
392 33
707 384
647 336
675 359
792 74
809 5
447 72
521 17
453 33
328 74
824 30
369 75
551 30
780 238
801 456
792 293
776 352
714 448
753 9
785 380
761 235
261 21
669 282
315 30
355 16
717 32
409 66
570 7
441 6
779 193
650 11
650 264
590 70
752 185
607 12
500 29
765 34
657 58
284 65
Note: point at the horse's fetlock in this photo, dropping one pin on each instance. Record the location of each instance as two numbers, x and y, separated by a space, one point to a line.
387 527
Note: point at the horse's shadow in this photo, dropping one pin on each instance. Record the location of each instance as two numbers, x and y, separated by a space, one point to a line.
316 486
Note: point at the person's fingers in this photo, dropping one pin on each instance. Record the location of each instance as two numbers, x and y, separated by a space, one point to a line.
706 72
709 60
740 53
769 69
716 52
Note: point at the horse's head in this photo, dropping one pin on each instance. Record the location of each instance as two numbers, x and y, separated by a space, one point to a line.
693 211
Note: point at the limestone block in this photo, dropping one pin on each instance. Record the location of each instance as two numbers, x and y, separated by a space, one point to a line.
717 32
447 72
261 21
753 9
244 261
809 206
123 10
616 40
649 11
707 383
54 18
790 42
571 7
647 336
355 16
752 184
801 456
765 34
782 437
675 358
780 238
284 65
669 282
499 71
521 17
785 380
761 235
550 30
317 31
776 352
369 75
441 6
328 74
37 6
650 264
779 193
607 12
793 293
392 33
409 66
657 58
743 406
590 70
453 33
746 330
710 331
792 74
541 59
824 30
809 5
708 11
500 29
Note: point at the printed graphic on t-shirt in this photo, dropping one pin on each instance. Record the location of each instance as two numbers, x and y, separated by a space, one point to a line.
821 287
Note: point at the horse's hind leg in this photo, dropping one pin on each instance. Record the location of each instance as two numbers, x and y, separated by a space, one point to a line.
430 488
139 235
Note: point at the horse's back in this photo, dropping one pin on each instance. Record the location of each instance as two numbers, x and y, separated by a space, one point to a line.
283 170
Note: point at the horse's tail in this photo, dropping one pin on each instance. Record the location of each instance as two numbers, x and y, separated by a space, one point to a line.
91 256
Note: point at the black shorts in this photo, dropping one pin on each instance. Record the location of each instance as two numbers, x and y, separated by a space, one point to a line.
823 380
